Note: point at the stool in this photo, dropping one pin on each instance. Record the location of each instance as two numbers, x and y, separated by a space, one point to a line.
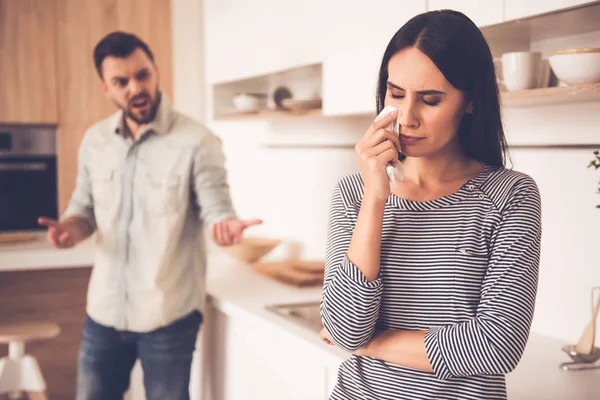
20 372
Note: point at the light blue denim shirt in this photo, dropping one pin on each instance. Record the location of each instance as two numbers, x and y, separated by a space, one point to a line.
149 200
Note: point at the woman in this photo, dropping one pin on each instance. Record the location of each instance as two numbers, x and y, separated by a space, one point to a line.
431 281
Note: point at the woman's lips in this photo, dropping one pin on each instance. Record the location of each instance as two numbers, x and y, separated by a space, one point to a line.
408 140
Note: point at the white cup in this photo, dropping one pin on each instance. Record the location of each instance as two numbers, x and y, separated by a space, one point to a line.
544 74
522 70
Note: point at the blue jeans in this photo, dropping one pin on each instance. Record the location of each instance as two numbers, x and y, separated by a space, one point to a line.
107 356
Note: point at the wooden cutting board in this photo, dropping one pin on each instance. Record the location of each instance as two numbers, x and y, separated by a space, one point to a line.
293 272
17 237
309 266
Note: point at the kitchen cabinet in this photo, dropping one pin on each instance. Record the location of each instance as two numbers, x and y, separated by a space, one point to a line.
250 361
355 49
514 9
27 64
245 39
491 13
81 26
349 82
151 21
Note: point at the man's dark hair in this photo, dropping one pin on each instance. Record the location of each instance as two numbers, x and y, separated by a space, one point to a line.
118 44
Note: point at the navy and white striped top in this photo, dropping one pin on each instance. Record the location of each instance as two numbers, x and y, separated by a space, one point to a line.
463 267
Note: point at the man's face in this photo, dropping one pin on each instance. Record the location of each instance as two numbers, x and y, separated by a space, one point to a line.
132 84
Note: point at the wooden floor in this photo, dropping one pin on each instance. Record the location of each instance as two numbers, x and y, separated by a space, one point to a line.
58 295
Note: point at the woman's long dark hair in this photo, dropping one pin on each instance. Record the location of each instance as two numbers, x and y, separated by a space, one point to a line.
459 50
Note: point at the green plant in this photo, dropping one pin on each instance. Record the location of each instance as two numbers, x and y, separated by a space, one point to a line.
596 164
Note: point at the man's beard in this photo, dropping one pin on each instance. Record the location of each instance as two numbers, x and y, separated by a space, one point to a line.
146 116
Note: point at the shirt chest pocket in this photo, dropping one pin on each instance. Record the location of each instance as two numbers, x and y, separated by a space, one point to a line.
103 192
469 269
161 194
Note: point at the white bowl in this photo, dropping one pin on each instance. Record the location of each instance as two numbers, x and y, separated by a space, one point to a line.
576 66
249 101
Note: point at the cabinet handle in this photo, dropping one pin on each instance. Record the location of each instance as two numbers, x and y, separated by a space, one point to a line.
24 166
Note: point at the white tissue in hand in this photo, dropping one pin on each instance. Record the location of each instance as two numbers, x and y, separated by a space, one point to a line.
394 173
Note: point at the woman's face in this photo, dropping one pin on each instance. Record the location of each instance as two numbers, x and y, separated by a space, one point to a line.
431 109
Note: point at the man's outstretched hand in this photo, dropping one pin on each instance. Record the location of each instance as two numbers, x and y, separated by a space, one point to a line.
231 230
60 235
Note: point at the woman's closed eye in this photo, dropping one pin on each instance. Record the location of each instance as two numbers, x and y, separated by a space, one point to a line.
429 100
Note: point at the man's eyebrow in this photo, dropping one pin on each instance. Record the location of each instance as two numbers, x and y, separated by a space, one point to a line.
421 92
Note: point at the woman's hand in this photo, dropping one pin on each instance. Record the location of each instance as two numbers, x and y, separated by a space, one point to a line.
378 148
325 337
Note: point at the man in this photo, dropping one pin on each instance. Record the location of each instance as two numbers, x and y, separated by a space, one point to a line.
148 180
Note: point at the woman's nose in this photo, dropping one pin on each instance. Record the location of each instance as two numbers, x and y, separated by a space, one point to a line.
407 117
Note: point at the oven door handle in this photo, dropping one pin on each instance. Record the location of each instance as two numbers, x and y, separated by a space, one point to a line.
23 166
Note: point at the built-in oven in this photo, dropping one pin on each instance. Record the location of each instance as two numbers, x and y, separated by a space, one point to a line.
28 179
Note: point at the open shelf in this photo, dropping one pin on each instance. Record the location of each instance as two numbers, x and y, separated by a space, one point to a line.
522 98
267 114
552 95
302 82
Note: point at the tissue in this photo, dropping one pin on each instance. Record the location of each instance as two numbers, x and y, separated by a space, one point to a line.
397 172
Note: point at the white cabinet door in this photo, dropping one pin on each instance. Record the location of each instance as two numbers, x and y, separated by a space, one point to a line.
223 48
249 38
357 36
514 9
491 13
350 81
250 361
237 38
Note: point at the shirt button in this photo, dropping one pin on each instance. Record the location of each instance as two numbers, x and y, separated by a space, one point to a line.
481 197
470 187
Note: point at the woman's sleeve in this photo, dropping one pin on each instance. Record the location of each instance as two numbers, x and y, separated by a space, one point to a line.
350 303
494 340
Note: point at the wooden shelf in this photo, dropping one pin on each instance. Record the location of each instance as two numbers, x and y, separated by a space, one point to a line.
268 114
552 95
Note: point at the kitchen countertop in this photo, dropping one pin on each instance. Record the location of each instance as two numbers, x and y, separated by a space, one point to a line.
538 376
38 254
237 291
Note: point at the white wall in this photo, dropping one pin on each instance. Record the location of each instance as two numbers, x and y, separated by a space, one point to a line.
289 188
570 266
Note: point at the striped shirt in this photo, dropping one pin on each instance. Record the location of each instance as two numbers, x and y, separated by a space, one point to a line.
463 267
